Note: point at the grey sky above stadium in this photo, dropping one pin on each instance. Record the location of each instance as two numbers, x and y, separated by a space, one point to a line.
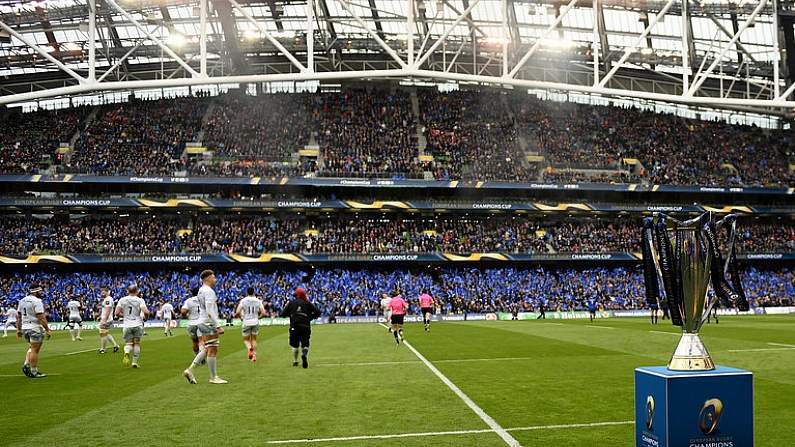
728 54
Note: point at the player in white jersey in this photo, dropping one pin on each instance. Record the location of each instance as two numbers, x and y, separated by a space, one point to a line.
167 313
34 328
130 308
387 310
11 320
209 328
250 309
190 311
105 319
75 318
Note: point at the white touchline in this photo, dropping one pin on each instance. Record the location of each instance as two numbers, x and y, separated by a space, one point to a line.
667 333
486 418
447 433
479 411
599 327
781 344
80 352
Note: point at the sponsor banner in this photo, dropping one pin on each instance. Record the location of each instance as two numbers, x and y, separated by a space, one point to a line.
277 204
468 317
649 208
766 256
236 322
727 190
61 325
371 319
71 203
519 316
579 314
379 257
396 257
631 313
395 182
182 259
778 310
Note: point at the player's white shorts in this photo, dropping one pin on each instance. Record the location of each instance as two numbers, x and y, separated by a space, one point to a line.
133 334
250 330
35 335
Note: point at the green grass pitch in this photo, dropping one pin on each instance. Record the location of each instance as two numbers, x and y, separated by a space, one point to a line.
544 383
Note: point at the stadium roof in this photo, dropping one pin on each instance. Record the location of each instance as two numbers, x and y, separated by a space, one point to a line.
726 54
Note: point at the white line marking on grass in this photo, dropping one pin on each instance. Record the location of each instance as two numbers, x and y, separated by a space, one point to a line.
486 418
484 360
668 333
551 427
781 344
599 327
403 435
447 433
80 352
413 362
762 349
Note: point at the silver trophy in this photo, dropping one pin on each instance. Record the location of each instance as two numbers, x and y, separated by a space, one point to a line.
685 258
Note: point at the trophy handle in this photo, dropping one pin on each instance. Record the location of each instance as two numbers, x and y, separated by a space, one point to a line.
723 289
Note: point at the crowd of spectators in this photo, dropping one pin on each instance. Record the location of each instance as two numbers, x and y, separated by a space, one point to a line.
673 150
253 236
29 142
366 132
140 138
342 292
471 136
252 137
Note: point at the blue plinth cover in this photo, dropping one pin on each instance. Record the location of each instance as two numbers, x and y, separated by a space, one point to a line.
694 408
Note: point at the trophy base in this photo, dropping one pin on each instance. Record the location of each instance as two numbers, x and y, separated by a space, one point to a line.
691 355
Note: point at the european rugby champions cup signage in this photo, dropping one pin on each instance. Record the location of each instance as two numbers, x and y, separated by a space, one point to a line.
692 402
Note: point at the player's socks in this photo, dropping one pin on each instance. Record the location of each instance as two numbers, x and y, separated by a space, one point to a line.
136 354
199 359
127 355
211 364
72 333
104 342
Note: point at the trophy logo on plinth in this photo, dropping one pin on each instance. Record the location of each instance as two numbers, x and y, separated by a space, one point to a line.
685 257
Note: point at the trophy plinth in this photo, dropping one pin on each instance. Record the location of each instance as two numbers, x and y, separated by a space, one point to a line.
691 355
